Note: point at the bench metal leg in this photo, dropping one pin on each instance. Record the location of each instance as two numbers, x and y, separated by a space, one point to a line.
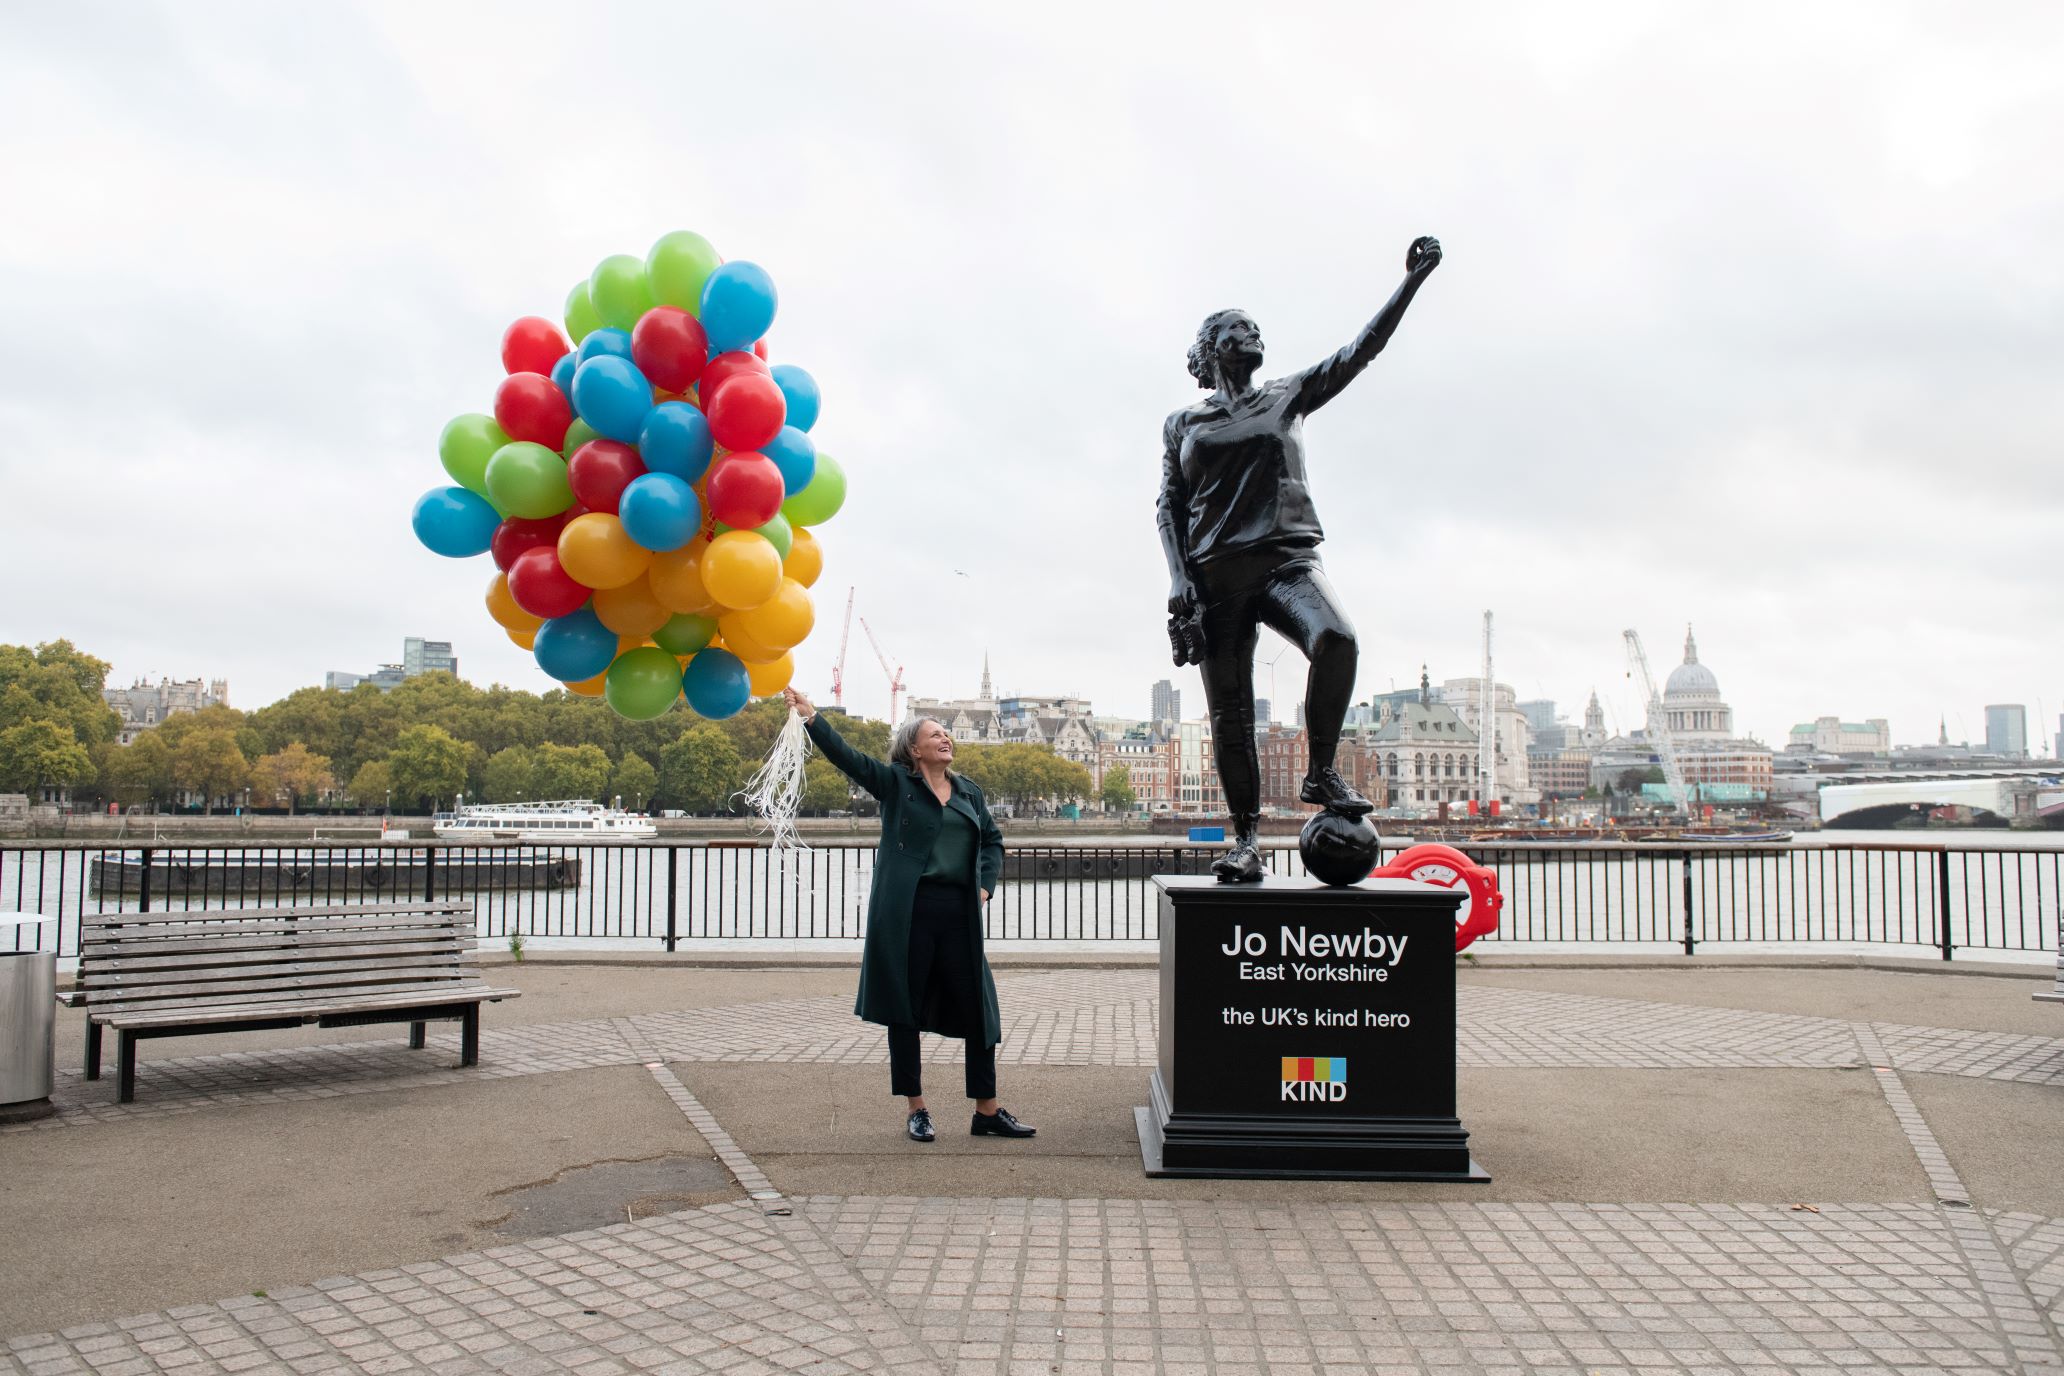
416 1033
469 1037
92 1049
125 1057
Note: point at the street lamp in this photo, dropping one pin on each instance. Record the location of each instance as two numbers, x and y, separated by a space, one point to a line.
387 806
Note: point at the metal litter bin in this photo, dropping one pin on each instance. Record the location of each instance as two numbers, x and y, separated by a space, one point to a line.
28 1017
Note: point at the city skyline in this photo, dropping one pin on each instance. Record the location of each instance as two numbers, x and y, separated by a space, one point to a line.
1779 368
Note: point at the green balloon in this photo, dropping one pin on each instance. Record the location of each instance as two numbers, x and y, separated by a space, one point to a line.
684 634
678 266
466 445
642 683
577 434
820 501
581 320
528 480
619 292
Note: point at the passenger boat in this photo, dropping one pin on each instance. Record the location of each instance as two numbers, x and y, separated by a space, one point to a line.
573 819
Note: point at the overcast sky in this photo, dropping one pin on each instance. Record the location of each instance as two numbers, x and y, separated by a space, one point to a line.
1750 318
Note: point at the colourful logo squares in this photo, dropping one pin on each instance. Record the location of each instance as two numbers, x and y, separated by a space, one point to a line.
1330 1070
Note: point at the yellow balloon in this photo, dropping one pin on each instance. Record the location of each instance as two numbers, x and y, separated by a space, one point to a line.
589 687
805 557
769 679
633 609
739 641
742 569
596 553
527 638
676 579
783 621
502 607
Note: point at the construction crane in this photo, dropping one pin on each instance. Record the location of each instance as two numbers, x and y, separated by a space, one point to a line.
838 666
895 675
1659 728
1486 746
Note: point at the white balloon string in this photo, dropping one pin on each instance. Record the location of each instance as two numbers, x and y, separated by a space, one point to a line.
775 791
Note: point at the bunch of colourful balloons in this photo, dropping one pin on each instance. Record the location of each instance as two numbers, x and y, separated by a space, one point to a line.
647 489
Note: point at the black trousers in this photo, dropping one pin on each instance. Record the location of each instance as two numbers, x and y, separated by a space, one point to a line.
942 972
1287 591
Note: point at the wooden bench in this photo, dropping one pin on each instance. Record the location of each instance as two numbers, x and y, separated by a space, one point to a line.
176 974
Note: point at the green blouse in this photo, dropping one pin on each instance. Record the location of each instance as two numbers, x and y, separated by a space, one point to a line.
953 853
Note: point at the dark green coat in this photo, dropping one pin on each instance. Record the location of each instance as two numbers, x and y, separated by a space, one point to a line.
911 816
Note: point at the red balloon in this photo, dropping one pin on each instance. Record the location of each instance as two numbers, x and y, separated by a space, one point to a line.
759 349
528 407
724 367
515 535
745 490
542 587
599 471
747 412
532 345
669 347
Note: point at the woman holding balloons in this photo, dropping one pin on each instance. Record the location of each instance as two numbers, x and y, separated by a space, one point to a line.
922 968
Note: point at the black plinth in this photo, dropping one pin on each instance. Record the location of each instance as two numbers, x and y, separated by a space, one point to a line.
1306 1031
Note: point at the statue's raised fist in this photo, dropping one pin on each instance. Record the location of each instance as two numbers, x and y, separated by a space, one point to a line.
1423 255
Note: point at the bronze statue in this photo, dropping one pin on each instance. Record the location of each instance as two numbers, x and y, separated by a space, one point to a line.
1241 537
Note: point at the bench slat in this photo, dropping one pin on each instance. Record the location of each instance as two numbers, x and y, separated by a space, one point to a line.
194 931
263 976
114 918
207 1013
453 939
288 980
424 990
163 959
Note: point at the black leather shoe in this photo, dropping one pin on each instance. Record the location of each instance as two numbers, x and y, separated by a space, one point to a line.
1240 865
1330 791
920 1126
999 1124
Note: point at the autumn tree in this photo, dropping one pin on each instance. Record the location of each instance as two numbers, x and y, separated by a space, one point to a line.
208 761
42 752
1117 791
292 772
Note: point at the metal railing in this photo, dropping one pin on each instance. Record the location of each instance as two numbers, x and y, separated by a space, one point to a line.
1943 897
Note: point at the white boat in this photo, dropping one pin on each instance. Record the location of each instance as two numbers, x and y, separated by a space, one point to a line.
573 819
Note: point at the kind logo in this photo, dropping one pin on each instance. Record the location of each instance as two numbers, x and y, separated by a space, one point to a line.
1314 1079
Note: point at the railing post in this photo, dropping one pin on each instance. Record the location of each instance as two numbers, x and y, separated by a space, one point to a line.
1942 900
429 874
143 887
673 855
1688 935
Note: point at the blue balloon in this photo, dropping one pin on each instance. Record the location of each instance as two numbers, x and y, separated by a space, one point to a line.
715 682
676 439
800 388
659 511
738 304
454 522
795 454
604 343
575 647
562 373
612 396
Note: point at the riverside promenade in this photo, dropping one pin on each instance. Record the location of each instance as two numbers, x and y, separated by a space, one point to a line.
663 1165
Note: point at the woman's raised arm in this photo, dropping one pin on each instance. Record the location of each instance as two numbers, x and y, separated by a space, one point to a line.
1323 381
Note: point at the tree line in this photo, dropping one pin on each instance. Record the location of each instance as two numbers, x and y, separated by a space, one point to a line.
420 745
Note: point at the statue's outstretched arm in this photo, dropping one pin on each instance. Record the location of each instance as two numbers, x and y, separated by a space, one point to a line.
1323 381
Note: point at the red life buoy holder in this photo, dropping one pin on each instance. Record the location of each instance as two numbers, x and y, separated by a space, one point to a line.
1448 867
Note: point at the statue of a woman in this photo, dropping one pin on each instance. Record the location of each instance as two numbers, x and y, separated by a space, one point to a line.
1241 537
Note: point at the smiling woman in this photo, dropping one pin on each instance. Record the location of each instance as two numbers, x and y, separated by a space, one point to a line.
922 968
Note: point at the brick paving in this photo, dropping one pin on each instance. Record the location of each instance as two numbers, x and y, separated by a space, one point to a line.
1014 1285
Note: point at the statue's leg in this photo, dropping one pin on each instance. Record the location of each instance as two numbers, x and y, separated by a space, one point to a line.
1230 632
1301 606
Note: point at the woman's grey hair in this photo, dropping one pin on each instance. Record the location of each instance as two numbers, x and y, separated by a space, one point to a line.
1202 365
906 737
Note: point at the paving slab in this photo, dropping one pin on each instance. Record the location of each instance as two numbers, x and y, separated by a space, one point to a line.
134 1216
2004 1140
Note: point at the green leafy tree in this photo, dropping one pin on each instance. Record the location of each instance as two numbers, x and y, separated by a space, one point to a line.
633 780
40 752
139 772
372 784
508 775
427 763
701 770
293 772
1631 780
577 771
824 788
208 761
1117 791
55 682
313 717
